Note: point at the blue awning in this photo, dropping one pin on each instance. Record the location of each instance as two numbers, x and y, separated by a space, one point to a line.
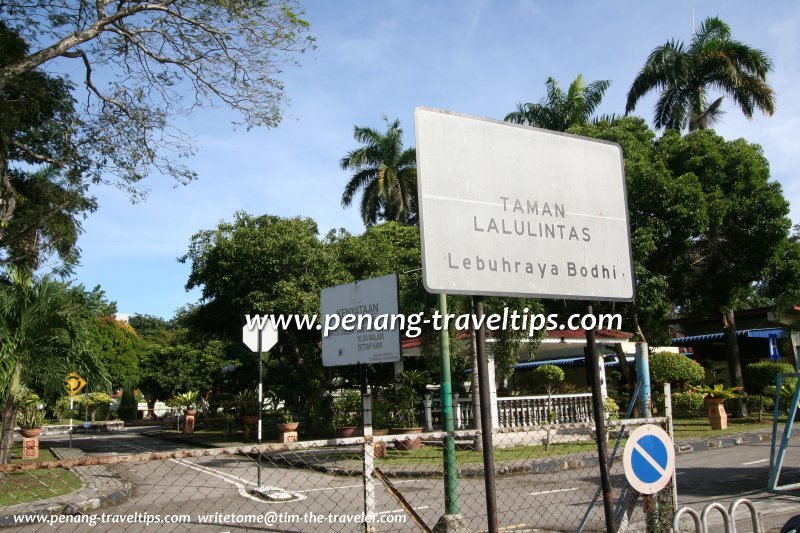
568 362
745 333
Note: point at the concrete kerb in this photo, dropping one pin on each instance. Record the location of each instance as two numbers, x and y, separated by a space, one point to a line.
531 466
101 487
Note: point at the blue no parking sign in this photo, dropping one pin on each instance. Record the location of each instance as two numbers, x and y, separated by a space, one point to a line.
649 459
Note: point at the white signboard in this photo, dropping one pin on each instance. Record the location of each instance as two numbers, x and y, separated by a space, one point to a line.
516 211
373 302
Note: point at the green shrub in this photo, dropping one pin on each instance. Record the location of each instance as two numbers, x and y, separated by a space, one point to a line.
687 402
764 374
347 409
673 368
548 377
128 406
757 402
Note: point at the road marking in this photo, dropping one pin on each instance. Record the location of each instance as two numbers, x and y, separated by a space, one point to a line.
331 488
658 468
553 491
756 462
224 476
403 510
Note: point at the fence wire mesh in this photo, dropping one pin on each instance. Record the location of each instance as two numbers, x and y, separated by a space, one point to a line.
547 479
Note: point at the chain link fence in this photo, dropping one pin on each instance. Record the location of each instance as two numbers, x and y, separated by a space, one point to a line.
547 479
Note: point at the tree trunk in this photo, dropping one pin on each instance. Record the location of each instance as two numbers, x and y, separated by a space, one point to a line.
624 367
7 434
8 197
734 361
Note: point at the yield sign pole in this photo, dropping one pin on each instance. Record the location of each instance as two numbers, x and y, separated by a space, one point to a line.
259 335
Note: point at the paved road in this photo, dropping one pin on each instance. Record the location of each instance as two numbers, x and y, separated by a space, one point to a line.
555 501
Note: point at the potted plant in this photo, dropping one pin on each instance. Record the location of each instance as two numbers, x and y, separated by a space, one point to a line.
288 423
347 414
30 420
715 397
247 407
188 401
402 399
380 422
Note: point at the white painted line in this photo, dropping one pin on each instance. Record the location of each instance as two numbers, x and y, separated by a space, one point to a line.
332 488
403 510
552 491
224 476
756 462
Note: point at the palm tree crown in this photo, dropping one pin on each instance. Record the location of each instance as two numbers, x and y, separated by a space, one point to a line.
384 172
559 110
684 76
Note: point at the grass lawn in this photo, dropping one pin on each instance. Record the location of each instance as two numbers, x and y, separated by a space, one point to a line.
431 454
687 428
33 485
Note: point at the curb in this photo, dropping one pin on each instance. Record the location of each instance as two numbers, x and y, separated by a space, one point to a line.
88 498
533 466
682 448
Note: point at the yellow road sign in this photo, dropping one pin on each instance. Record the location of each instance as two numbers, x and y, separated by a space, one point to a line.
75 383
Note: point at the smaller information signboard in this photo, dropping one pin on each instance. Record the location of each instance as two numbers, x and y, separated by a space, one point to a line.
366 339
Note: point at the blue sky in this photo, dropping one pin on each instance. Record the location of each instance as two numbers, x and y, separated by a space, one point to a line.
386 58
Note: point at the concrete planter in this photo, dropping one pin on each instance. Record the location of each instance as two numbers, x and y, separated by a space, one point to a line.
716 413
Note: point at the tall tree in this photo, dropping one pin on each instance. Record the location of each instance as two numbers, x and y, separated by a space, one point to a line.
41 175
145 63
748 227
684 75
42 338
267 265
560 110
384 172
667 210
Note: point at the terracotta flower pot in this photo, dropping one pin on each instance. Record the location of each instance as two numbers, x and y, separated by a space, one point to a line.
250 420
408 444
29 433
288 426
191 412
346 432
379 432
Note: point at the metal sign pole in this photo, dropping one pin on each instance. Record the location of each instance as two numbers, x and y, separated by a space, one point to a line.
368 465
592 366
486 419
71 407
452 506
260 402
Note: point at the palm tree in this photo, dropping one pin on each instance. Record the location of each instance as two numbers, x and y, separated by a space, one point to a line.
384 172
41 340
684 76
558 110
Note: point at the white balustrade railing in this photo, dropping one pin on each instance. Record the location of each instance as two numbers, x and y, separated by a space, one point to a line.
515 411
521 411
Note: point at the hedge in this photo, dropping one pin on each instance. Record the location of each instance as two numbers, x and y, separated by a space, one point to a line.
764 374
668 367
